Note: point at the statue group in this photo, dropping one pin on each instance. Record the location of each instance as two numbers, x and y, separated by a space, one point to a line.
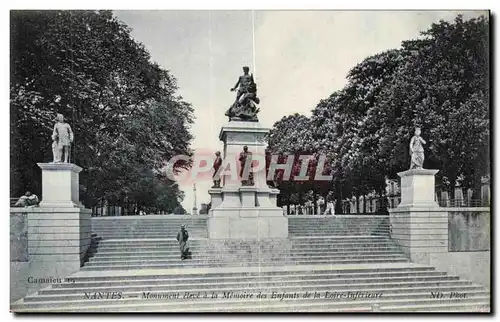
244 107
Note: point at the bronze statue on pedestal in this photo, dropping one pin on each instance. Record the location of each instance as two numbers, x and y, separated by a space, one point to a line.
244 107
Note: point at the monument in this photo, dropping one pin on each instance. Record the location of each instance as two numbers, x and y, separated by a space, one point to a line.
59 229
195 209
244 207
417 183
418 223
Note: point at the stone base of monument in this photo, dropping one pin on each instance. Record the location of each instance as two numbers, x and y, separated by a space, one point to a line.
58 231
419 225
60 185
56 243
245 212
418 188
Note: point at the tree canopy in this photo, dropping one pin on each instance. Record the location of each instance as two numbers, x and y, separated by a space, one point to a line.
439 82
122 107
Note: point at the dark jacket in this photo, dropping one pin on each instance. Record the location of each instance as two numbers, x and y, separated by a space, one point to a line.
184 237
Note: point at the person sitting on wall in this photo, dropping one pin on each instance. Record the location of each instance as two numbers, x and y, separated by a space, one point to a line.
28 200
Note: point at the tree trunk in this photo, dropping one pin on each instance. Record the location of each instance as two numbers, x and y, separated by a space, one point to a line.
364 205
357 204
476 188
338 196
315 202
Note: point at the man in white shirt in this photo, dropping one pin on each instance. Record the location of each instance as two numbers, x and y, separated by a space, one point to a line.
330 208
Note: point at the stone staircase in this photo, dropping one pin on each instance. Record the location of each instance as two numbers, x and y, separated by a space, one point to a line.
164 253
340 225
151 226
329 264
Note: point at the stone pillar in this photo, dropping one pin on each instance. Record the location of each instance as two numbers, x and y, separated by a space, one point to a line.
245 212
59 230
485 193
419 225
459 196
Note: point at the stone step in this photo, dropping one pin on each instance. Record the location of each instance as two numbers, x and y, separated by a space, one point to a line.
137 291
208 258
195 228
264 248
338 234
338 282
364 306
269 257
270 243
354 237
250 271
90 266
250 305
175 252
147 228
338 226
200 250
474 306
383 284
231 250
224 279
357 230
311 243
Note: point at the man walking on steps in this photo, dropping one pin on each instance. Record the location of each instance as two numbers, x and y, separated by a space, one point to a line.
182 238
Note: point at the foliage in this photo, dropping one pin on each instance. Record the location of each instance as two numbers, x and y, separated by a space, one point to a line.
438 81
121 106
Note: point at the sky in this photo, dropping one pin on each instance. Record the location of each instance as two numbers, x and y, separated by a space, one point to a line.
297 58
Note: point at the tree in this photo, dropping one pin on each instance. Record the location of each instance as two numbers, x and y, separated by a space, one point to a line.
292 137
439 82
121 105
443 87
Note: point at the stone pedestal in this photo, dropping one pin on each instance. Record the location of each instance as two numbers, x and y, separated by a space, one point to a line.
58 231
216 197
60 185
245 212
417 188
419 225
59 235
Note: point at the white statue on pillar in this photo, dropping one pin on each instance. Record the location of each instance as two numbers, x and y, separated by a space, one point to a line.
417 150
62 137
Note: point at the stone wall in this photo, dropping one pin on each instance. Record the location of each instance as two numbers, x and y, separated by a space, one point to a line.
19 260
468 231
46 244
454 240
474 266
19 237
